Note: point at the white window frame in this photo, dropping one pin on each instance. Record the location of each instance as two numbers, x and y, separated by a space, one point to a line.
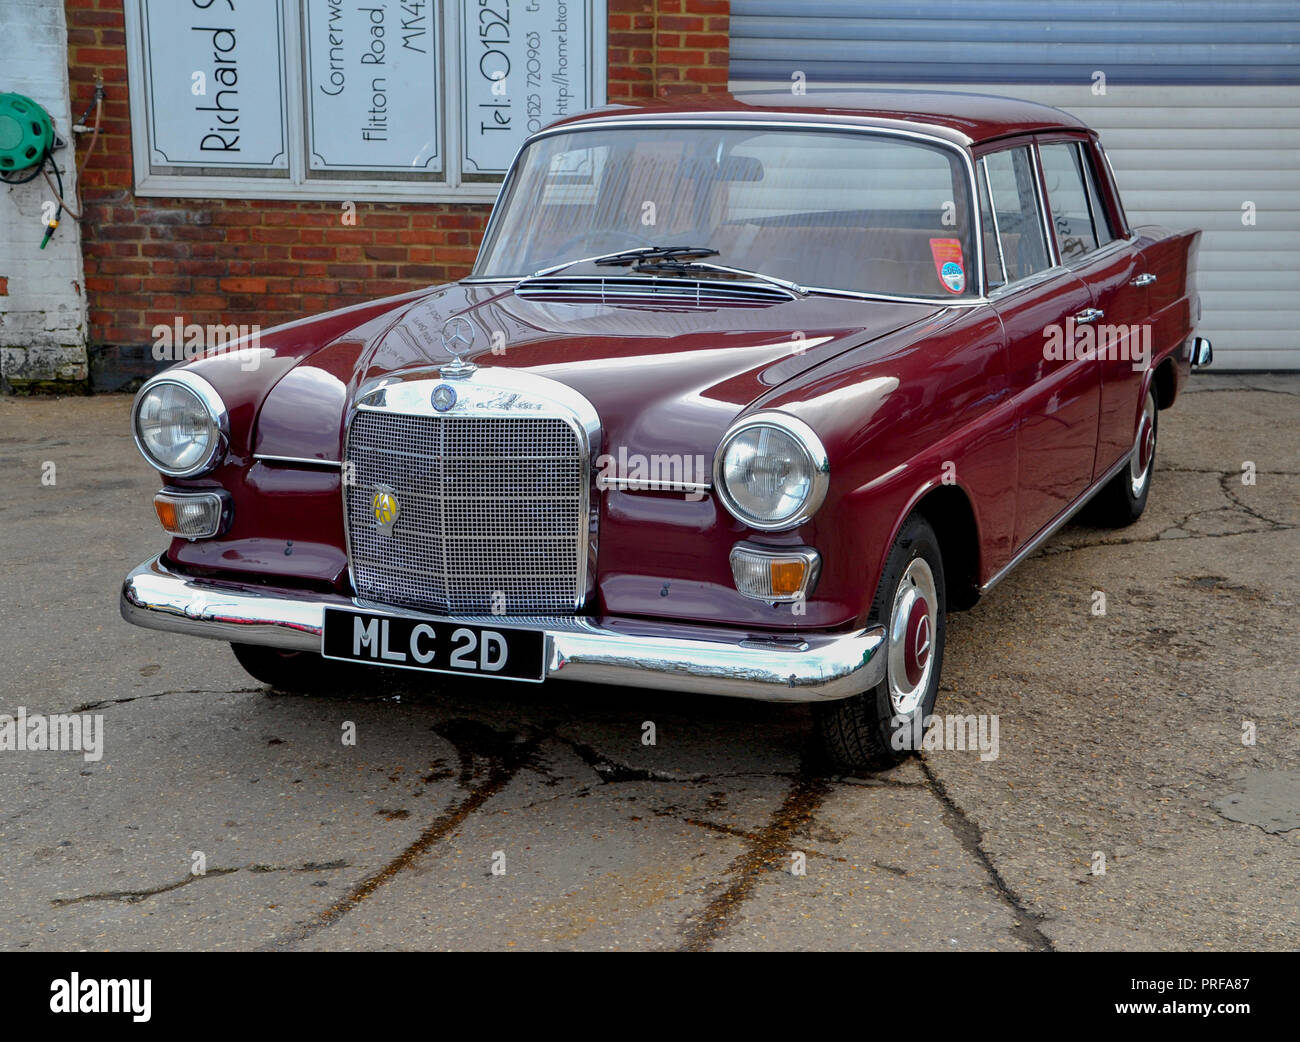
298 184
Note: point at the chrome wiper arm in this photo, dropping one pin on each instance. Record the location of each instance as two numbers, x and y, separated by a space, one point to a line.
686 267
629 257
679 254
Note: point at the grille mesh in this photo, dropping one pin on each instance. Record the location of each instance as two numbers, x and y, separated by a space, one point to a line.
488 506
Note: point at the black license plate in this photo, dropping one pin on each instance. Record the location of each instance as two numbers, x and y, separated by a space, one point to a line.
433 646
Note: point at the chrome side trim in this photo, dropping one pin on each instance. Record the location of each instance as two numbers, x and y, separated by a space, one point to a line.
1057 523
810 667
618 484
1028 282
297 461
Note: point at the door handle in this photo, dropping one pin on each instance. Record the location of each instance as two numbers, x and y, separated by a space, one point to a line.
1088 315
1145 279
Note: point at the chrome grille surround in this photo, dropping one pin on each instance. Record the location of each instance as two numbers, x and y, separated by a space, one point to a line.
495 494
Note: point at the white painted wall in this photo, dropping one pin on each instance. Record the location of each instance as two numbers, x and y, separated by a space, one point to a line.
43 315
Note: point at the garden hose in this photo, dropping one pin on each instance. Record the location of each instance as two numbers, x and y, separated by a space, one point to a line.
27 143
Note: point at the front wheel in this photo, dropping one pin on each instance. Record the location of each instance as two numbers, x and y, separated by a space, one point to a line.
302 672
1122 500
875 730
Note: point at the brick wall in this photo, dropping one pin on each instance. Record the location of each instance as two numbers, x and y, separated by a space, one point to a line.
270 261
664 48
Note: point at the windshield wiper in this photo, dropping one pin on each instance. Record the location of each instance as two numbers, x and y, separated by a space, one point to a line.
686 267
676 260
619 257
678 254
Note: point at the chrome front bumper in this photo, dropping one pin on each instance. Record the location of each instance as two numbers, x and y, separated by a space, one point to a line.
624 652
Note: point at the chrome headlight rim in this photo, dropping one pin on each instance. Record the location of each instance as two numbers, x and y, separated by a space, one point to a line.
809 444
212 404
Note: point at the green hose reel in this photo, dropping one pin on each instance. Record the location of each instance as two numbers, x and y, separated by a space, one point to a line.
26 133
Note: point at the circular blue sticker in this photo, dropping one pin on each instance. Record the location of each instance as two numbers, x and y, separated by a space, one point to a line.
953 277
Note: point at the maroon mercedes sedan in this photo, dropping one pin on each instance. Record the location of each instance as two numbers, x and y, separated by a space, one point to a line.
741 398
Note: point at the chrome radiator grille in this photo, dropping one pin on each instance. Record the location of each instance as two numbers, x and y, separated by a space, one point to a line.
492 513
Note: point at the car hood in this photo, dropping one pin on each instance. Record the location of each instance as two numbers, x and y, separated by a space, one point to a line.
663 378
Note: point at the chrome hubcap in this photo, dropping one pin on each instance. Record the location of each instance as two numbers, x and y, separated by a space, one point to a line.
1144 448
912 622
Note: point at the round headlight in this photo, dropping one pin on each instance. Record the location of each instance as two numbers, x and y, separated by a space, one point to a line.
771 471
180 424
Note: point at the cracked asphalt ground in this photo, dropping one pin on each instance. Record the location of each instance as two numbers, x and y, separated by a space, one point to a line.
1119 733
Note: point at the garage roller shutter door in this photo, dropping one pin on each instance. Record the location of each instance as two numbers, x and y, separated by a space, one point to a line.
1200 116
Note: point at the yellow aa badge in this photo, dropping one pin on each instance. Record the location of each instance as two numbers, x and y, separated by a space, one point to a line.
386 509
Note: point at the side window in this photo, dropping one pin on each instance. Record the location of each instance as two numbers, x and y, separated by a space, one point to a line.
1080 228
1007 194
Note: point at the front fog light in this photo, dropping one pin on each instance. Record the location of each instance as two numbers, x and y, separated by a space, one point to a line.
774 575
190 515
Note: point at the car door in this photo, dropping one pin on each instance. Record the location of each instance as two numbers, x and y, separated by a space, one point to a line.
1092 245
1057 397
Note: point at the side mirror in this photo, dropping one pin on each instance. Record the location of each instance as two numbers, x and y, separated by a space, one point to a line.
1202 352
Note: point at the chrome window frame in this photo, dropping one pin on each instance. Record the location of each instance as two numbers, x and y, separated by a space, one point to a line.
1096 198
993 216
1040 195
1114 191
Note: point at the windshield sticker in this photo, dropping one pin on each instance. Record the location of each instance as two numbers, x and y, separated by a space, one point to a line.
948 263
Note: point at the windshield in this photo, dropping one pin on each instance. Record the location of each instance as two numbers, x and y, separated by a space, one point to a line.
863 212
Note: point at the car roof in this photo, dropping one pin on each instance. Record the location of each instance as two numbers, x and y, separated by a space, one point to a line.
963 119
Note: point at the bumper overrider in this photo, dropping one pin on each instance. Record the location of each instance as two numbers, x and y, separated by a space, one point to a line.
808 667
